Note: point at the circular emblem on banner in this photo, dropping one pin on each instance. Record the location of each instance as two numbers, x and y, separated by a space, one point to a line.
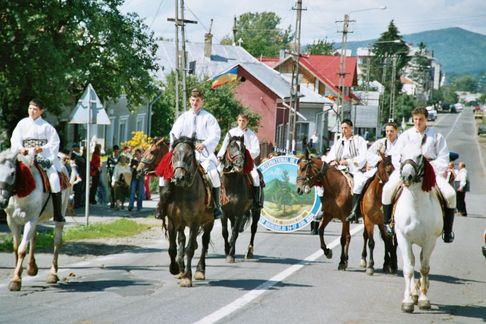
284 210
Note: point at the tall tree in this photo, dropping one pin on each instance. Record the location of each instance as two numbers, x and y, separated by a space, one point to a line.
466 83
260 34
320 47
53 49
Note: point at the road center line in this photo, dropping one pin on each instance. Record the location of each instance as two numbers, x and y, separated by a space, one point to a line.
255 293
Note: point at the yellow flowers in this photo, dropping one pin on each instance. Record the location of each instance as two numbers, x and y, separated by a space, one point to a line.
139 139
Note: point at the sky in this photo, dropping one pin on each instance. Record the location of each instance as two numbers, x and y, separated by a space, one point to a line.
319 18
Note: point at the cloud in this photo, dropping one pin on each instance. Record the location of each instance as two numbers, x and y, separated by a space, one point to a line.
319 18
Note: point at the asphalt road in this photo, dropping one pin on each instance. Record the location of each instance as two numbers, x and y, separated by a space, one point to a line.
288 280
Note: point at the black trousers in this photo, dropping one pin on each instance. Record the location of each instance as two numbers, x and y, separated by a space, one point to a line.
94 186
461 202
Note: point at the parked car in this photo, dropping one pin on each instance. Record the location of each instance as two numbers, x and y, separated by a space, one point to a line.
484 246
432 113
459 107
482 129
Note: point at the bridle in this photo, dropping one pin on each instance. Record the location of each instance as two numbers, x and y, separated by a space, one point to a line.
307 179
189 169
239 154
418 168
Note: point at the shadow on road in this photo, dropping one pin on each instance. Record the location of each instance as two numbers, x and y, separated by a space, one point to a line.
471 311
97 249
250 284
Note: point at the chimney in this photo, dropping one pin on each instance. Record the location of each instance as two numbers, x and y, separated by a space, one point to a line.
208 44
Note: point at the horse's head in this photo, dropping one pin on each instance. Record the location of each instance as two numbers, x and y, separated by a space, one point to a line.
152 156
385 167
234 159
308 173
184 162
7 176
412 164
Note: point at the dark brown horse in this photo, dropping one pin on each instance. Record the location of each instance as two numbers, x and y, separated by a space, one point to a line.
187 207
153 155
372 215
336 201
240 198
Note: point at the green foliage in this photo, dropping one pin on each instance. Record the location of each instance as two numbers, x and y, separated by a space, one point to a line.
53 49
321 47
119 228
466 83
260 34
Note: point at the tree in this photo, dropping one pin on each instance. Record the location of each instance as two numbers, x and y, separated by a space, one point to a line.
466 83
53 49
260 34
321 47
420 67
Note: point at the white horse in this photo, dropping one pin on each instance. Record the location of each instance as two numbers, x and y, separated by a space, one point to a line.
418 221
27 211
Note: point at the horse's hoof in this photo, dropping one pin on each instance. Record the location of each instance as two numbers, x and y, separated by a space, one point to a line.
362 263
180 275
407 307
52 278
342 266
15 285
370 271
328 253
185 282
424 304
249 254
32 270
387 269
230 259
174 268
199 275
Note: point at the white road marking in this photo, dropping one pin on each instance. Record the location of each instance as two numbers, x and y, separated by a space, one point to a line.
264 287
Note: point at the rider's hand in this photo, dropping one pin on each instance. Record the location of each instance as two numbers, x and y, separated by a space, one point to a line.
343 162
23 151
200 147
37 149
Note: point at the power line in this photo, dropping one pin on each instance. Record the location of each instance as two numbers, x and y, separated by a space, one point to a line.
161 3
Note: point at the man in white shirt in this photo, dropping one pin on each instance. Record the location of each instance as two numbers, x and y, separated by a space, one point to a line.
383 145
462 187
349 153
252 144
435 150
202 125
36 137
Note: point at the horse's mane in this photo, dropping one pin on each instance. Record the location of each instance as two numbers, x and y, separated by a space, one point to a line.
186 140
6 155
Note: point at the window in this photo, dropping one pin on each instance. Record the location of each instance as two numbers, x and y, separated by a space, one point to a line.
140 122
122 129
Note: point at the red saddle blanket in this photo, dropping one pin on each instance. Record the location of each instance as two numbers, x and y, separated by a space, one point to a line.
429 177
24 180
164 169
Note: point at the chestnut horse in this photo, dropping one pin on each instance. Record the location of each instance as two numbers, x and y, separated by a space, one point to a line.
187 207
336 201
372 215
240 198
152 156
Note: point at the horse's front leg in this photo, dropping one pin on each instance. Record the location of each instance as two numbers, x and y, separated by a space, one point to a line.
345 239
423 284
364 251
52 277
322 225
370 270
201 266
224 228
390 259
174 266
235 231
408 301
181 251
16 281
186 280
32 268
255 215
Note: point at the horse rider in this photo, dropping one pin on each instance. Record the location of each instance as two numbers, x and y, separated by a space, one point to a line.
202 125
434 149
34 136
383 146
252 144
349 153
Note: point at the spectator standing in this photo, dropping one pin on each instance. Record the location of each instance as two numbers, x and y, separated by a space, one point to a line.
94 172
462 187
137 184
111 162
78 162
120 181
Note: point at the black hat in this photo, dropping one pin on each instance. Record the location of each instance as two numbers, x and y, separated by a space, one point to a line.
116 147
75 145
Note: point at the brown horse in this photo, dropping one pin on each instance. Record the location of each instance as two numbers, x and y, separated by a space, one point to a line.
336 201
152 156
240 198
372 215
187 208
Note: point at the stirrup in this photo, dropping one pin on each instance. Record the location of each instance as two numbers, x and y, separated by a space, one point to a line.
352 218
389 231
448 238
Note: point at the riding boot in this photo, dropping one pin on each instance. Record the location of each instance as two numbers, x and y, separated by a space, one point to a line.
217 204
387 213
57 204
164 193
448 234
256 198
353 215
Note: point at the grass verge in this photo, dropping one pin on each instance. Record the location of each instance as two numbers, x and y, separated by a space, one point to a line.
45 239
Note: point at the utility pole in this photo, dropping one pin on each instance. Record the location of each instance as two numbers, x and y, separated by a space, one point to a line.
392 88
181 66
342 68
295 82
234 31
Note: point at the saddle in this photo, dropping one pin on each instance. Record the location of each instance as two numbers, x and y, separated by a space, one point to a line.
46 187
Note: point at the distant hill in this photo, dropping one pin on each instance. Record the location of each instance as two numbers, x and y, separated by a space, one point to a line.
459 51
